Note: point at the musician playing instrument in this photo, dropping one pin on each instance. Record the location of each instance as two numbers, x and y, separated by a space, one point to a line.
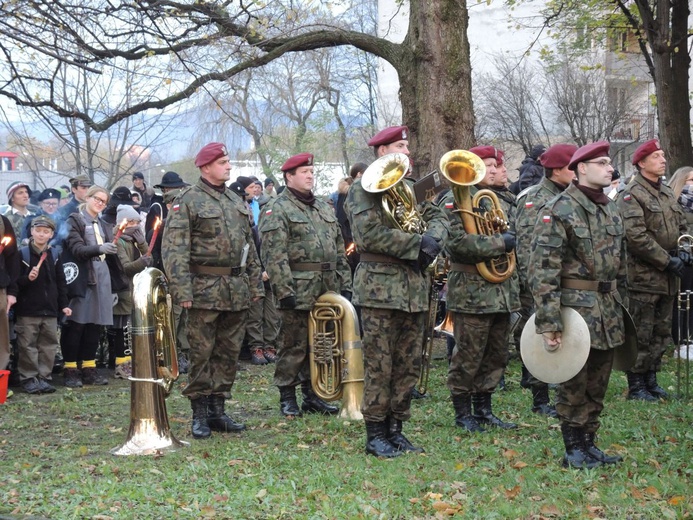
392 291
529 202
214 272
480 309
304 256
578 259
653 221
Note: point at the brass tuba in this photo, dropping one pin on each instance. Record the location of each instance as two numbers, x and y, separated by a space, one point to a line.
386 176
336 359
481 215
154 366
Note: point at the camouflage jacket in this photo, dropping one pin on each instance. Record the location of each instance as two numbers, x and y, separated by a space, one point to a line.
529 203
578 239
470 292
381 285
18 221
211 229
653 220
293 232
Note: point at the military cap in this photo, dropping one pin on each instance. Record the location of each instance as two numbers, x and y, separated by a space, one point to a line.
302 159
588 152
137 175
238 188
389 135
43 221
485 152
558 156
81 180
645 149
171 180
50 193
268 181
12 188
210 153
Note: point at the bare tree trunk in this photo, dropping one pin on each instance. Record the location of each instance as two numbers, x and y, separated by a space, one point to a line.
436 83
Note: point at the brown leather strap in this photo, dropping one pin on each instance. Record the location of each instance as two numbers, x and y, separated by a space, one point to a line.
384 259
588 285
216 271
465 268
313 266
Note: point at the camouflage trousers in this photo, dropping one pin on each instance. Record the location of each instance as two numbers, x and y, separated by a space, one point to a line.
652 314
526 310
262 327
215 339
481 352
392 344
292 364
580 400
180 316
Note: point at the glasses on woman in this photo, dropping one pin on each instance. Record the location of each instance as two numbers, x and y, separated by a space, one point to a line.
101 201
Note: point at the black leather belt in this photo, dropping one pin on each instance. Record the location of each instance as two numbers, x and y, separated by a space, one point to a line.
217 271
313 266
588 285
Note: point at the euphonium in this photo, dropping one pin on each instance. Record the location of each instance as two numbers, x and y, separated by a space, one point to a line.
336 359
481 215
386 176
154 366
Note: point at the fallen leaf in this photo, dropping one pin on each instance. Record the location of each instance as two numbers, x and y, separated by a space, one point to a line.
519 465
235 462
261 494
414 500
652 491
550 510
510 454
440 506
512 493
676 500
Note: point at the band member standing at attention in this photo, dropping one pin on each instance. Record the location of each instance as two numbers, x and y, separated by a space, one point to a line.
303 254
653 220
578 260
392 290
214 272
557 178
480 308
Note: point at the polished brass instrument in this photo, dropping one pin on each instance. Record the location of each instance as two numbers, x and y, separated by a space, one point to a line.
154 366
482 214
336 358
386 176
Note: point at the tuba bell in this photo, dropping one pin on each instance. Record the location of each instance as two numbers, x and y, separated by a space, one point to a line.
336 359
481 215
386 175
154 367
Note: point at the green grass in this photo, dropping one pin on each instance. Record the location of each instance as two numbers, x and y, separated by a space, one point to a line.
56 462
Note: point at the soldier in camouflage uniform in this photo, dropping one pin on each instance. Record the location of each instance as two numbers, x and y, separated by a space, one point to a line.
529 202
578 260
392 290
303 254
654 220
214 272
480 309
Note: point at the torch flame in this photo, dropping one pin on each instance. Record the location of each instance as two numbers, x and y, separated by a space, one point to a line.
157 223
6 241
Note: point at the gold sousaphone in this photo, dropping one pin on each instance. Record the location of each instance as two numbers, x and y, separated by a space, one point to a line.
336 357
482 214
154 367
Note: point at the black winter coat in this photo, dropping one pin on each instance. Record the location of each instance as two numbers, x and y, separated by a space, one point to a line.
45 296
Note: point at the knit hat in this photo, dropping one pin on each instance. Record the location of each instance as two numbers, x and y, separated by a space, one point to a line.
126 212
268 181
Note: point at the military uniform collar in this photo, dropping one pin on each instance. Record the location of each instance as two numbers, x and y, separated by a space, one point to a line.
211 191
650 189
581 199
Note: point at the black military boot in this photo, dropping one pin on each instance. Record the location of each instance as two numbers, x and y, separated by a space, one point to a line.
524 381
397 438
463 413
598 454
652 387
483 412
576 455
217 419
313 404
287 402
637 389
376 441
540 401
200 428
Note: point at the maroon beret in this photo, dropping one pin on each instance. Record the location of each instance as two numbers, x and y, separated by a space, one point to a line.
210 153
389 135
485 152
500 157
302 159
558 156
587 152
645 149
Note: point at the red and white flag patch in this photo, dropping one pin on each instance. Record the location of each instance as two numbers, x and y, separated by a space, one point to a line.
546 219
268 212
529 204
176 207
627 197
449 205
